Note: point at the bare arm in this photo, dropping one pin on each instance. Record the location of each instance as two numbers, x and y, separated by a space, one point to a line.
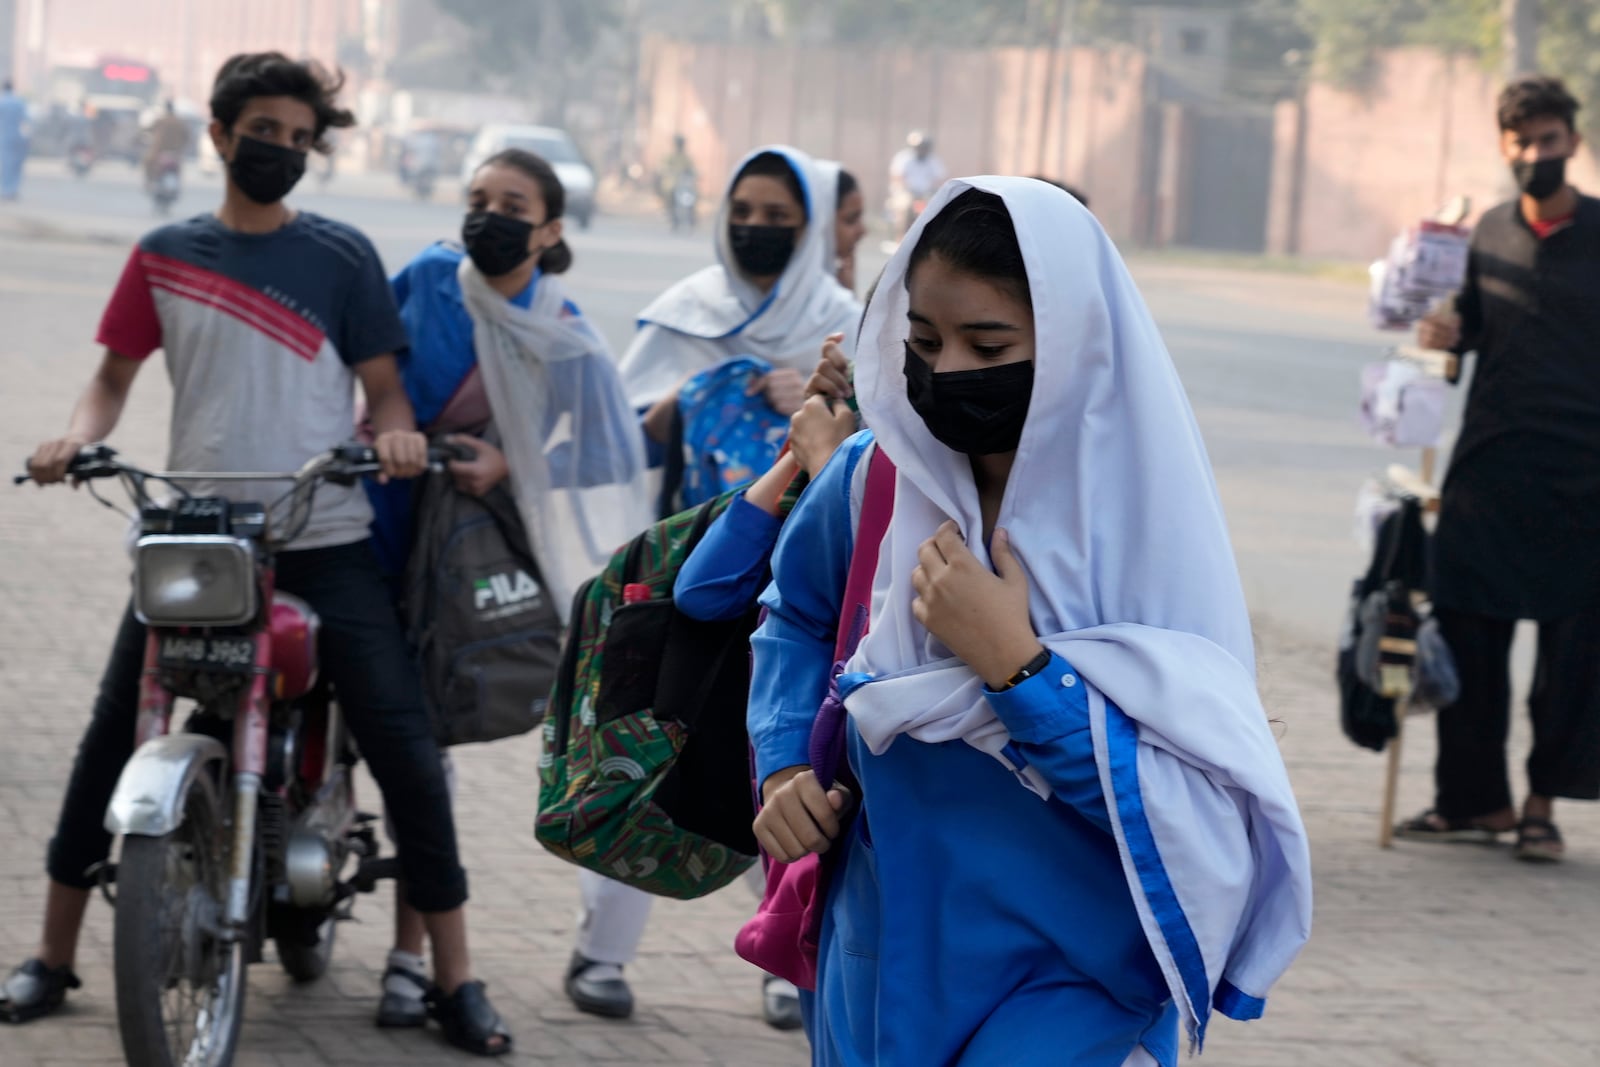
93 418
100 406
658 420
402 451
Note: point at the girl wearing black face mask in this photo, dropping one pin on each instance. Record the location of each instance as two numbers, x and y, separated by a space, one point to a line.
770 296
1061 805
500 359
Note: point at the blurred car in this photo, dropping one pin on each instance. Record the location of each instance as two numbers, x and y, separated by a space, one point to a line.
555 145
440 145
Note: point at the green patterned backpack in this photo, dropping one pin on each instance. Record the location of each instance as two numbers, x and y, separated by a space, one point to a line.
645 773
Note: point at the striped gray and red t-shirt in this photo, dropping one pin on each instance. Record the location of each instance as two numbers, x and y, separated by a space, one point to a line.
260 332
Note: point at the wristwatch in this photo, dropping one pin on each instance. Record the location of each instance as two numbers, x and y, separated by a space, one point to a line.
1029 669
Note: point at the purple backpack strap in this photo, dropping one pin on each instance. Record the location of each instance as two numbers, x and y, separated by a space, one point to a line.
828 730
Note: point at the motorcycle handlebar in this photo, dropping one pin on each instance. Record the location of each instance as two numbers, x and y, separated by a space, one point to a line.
94 461
345 462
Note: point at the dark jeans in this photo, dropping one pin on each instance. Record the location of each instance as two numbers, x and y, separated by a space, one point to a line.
364 653
1564 705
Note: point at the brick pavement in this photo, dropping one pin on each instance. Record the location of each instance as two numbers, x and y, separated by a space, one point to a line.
1420 956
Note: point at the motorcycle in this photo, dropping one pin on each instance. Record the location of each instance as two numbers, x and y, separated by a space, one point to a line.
422 182
683 202
164 181
903 208
241 824
80 158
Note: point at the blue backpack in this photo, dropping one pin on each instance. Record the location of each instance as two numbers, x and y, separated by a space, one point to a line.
721 438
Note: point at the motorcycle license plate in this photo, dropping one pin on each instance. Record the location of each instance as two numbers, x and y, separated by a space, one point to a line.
185 653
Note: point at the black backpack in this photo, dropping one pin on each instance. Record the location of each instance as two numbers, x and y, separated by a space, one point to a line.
1377 647
486 634
645 776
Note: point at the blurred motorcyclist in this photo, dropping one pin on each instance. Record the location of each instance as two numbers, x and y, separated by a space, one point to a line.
168 136
678 185
915 174
421 161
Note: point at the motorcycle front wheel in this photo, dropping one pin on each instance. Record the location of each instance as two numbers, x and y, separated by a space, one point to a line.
180 986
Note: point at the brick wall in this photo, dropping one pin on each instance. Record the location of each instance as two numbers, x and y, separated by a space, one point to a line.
986 109
1376 162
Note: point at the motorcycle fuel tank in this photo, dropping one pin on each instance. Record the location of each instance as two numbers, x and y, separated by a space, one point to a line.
293 627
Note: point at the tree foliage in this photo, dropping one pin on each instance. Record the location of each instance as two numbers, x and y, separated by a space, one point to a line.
936 22
1276 44
1349 33
510 37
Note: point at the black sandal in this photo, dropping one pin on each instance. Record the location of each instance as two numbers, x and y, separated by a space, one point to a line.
468 1020
399 1012
1431 826
1538 841
34 990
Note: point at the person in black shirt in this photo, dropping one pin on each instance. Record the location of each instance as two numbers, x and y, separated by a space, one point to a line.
1519 522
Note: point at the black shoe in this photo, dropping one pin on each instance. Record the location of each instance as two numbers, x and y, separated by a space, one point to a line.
34 990
780 1003
469 1021
399 1012
607 997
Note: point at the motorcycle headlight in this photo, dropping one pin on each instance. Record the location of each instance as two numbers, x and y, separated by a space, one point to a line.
194 581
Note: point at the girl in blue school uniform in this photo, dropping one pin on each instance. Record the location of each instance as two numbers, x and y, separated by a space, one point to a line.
503 362
1072 834
499 288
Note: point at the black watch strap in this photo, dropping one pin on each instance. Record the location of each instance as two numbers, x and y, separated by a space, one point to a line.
1029 669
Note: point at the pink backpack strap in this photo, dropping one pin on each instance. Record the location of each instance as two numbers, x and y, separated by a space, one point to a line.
877 508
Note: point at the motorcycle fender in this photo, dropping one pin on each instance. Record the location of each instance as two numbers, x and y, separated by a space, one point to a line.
148 801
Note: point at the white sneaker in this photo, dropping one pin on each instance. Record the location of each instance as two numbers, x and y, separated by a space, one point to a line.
780 1003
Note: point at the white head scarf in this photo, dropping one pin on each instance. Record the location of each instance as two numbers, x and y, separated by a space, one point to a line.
1112 509
716 314
570 439
828 172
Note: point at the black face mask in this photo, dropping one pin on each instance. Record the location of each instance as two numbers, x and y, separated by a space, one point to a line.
1540 180
265 172
762 251
974 412
498 244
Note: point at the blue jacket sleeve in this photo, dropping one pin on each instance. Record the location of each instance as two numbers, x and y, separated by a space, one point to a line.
1048 719
792 649
722 576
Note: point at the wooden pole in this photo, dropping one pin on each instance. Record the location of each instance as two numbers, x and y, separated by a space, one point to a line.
1519 37
1056 22
1391 777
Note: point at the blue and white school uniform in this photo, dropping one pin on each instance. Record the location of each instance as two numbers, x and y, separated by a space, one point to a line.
715 314
1064 872
547 379
965 910
440 371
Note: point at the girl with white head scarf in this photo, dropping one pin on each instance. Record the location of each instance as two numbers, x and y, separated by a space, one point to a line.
770 295
849 221
1074 828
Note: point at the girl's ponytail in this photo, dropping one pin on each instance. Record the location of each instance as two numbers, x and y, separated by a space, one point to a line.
556 259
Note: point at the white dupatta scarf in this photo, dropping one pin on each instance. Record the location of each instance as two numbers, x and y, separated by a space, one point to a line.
569 436
1112 509
716 315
